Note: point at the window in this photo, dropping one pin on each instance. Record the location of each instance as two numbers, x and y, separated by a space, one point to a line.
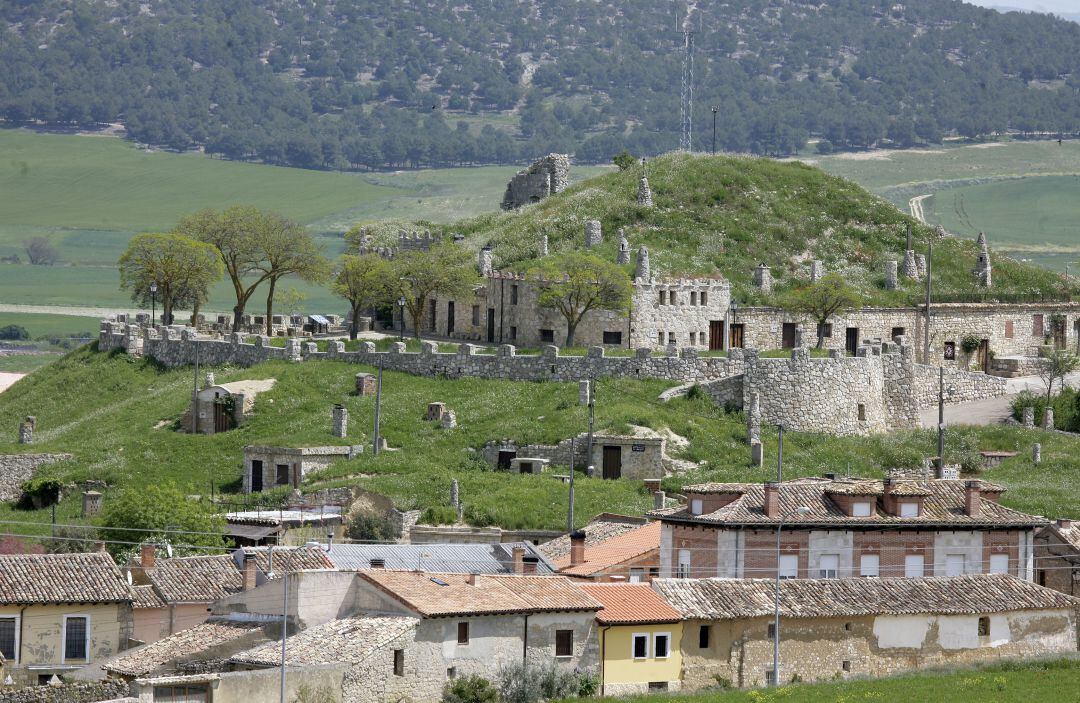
999 563
897 332
1038 326
693 338
513 332
637 574
612 337
660 337
770 632
913 566
9 638
845 665
463 633
1009 329
909 510
671 298
695 506
654 572
829 566
641 646
684 564
283 474
671 338
861 509
704 298
770 677
658 686
847 627
564 643
476 314
950 351
513 295
180 694
826 330
76 637
663 297
703 636
862 412
789 566
547 336
870 566
984 626
661 645
954 564
693 297
399 662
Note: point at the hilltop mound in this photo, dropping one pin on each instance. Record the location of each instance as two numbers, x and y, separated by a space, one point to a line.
725 214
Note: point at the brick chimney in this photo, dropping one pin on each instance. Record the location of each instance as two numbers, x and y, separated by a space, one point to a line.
471 579
972 498
249 571
577 547
529 565
519 559
887 498
1064 523
772 499
148 556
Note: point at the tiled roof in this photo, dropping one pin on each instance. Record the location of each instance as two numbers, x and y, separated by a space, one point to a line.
183 644
630 603
289 559
496 558
346 640
724 599
613 551
943 504
600 529
436 595
61 578
1069 535
146 597
209 578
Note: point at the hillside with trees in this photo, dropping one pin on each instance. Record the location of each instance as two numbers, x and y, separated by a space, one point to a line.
371 85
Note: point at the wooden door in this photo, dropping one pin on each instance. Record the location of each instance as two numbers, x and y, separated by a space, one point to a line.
851 340
736 337
256 475
221 417
612 461
788 335
716 335
984 355
1057 326
491 325
449 318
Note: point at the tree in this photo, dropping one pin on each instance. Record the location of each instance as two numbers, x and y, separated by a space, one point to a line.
822 299
182 268
1057 365
444 269
40 251
158 513
286 249
14 332
624 160
366 281
575 283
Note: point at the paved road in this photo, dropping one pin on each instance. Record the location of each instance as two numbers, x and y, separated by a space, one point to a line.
989 412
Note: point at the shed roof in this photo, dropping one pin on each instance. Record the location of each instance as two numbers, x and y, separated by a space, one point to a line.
208 578
340 641
601 528
27 579
630 603
184 644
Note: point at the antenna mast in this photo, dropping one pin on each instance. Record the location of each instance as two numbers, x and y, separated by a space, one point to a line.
686 95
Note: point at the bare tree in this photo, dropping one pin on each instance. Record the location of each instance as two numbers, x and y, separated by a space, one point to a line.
40 251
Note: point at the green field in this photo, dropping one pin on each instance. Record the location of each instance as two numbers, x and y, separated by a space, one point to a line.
41 325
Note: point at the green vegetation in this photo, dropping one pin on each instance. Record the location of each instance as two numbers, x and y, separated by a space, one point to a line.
41 325
116 415
1009 682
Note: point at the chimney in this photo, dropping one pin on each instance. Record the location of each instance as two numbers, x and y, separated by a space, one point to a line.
972 498
471 579
99 546
772 499
519 560
148 556
528 565
249 571
577 547
659 499
1064 523
377 563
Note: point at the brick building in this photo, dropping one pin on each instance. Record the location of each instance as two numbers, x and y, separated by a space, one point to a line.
850 528
1057 556
632 556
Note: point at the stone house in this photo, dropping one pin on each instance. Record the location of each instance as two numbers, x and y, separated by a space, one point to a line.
60 613
640 639
266 467
632 556
862 627
1057 556
482 558
222 407
634 457
851 528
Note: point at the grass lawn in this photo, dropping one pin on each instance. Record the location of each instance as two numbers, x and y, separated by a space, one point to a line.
114 414
42 325
1003 683
25 363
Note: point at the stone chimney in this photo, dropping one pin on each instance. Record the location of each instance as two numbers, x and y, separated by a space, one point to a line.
983 272
624 249
644 193
817 270
91 503
544 245
972 498
641 271
209 381
763 278
593 234
920 265
484 261
341 421
911 269
148 556
519 560
577 547
26 430
1064 523
249 571
470 578
890 275
659 500
772 499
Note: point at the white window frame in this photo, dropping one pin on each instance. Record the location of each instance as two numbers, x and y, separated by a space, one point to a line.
18 629
950 561
999 557
908 563
637 574
862 508
633 646
824 572
696 506
63 638
863 566
909 509
656 636
684 561
785 564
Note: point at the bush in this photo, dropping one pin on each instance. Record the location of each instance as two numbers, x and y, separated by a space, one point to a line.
370 528
14 332
530 683
469 689
970 343
40 493
161 514
624 160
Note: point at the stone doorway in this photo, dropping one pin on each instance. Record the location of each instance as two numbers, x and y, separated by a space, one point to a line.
1057 329
789 334
449 318
256 475
982 357
851 340
491 325
505 457
612 462
716 335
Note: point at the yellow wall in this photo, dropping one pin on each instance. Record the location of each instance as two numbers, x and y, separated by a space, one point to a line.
41 642
621 668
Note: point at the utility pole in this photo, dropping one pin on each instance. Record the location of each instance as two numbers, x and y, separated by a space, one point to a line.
715 109
195 392
284 626
929 279
780 455
378 404
940 419
570 503
592 418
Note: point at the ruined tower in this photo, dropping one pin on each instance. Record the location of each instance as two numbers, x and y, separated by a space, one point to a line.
644 193
983 272
763 278
641 272
593 234
624 249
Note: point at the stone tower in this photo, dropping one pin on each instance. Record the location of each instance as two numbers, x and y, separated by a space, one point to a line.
817 270
593 234
983 272
911 269
544 177
644 193
624 249
763 278
641 272
890 275
544 245
484 262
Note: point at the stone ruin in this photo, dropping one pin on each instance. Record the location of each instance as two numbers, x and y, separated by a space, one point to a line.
26 430
983 271
544 177
644 193
624 249
340 421
484 262
763 278
642 271
891 269
817 270
911 268
594 235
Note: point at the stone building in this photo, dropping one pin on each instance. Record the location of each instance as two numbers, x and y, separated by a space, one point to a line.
633 456
544 177
225 406
266 467
1057 556
852 528
836 629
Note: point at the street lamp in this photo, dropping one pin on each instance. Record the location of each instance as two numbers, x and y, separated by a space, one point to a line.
715 109
401 312
153 303
801 510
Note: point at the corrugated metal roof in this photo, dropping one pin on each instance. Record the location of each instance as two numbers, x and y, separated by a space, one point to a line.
494 558
319 319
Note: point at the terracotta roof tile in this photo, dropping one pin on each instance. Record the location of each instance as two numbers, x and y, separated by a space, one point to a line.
209 578
61 578
433 595
146 597
346 640
613 551
630 603
291 559
184 644
724 599
600 529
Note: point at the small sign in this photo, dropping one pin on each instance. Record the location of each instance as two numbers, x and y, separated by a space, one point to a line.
637 447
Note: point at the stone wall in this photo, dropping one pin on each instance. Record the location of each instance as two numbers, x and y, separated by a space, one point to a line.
15 469
544 177
81 692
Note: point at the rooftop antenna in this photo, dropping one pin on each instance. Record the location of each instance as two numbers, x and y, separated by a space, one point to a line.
686 95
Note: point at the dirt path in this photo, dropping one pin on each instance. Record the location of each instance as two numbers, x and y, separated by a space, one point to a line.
994 411
915 205
7 379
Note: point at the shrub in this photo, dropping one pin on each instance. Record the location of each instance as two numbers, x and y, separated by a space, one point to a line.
469 689
370 528
14 332
158 513
530 683
309 694
40 493
624 160
970 343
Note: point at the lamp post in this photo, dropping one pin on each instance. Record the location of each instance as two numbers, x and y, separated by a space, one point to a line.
153 301
401 312
801 510
715 109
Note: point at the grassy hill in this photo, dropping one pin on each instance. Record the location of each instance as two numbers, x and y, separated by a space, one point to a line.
727 213
115 415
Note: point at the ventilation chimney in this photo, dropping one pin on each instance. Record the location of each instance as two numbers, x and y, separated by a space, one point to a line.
471 579
249 571
148 556
1064 524
659 499
519 560
772 499
484 261
972 498
577 547
377 563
